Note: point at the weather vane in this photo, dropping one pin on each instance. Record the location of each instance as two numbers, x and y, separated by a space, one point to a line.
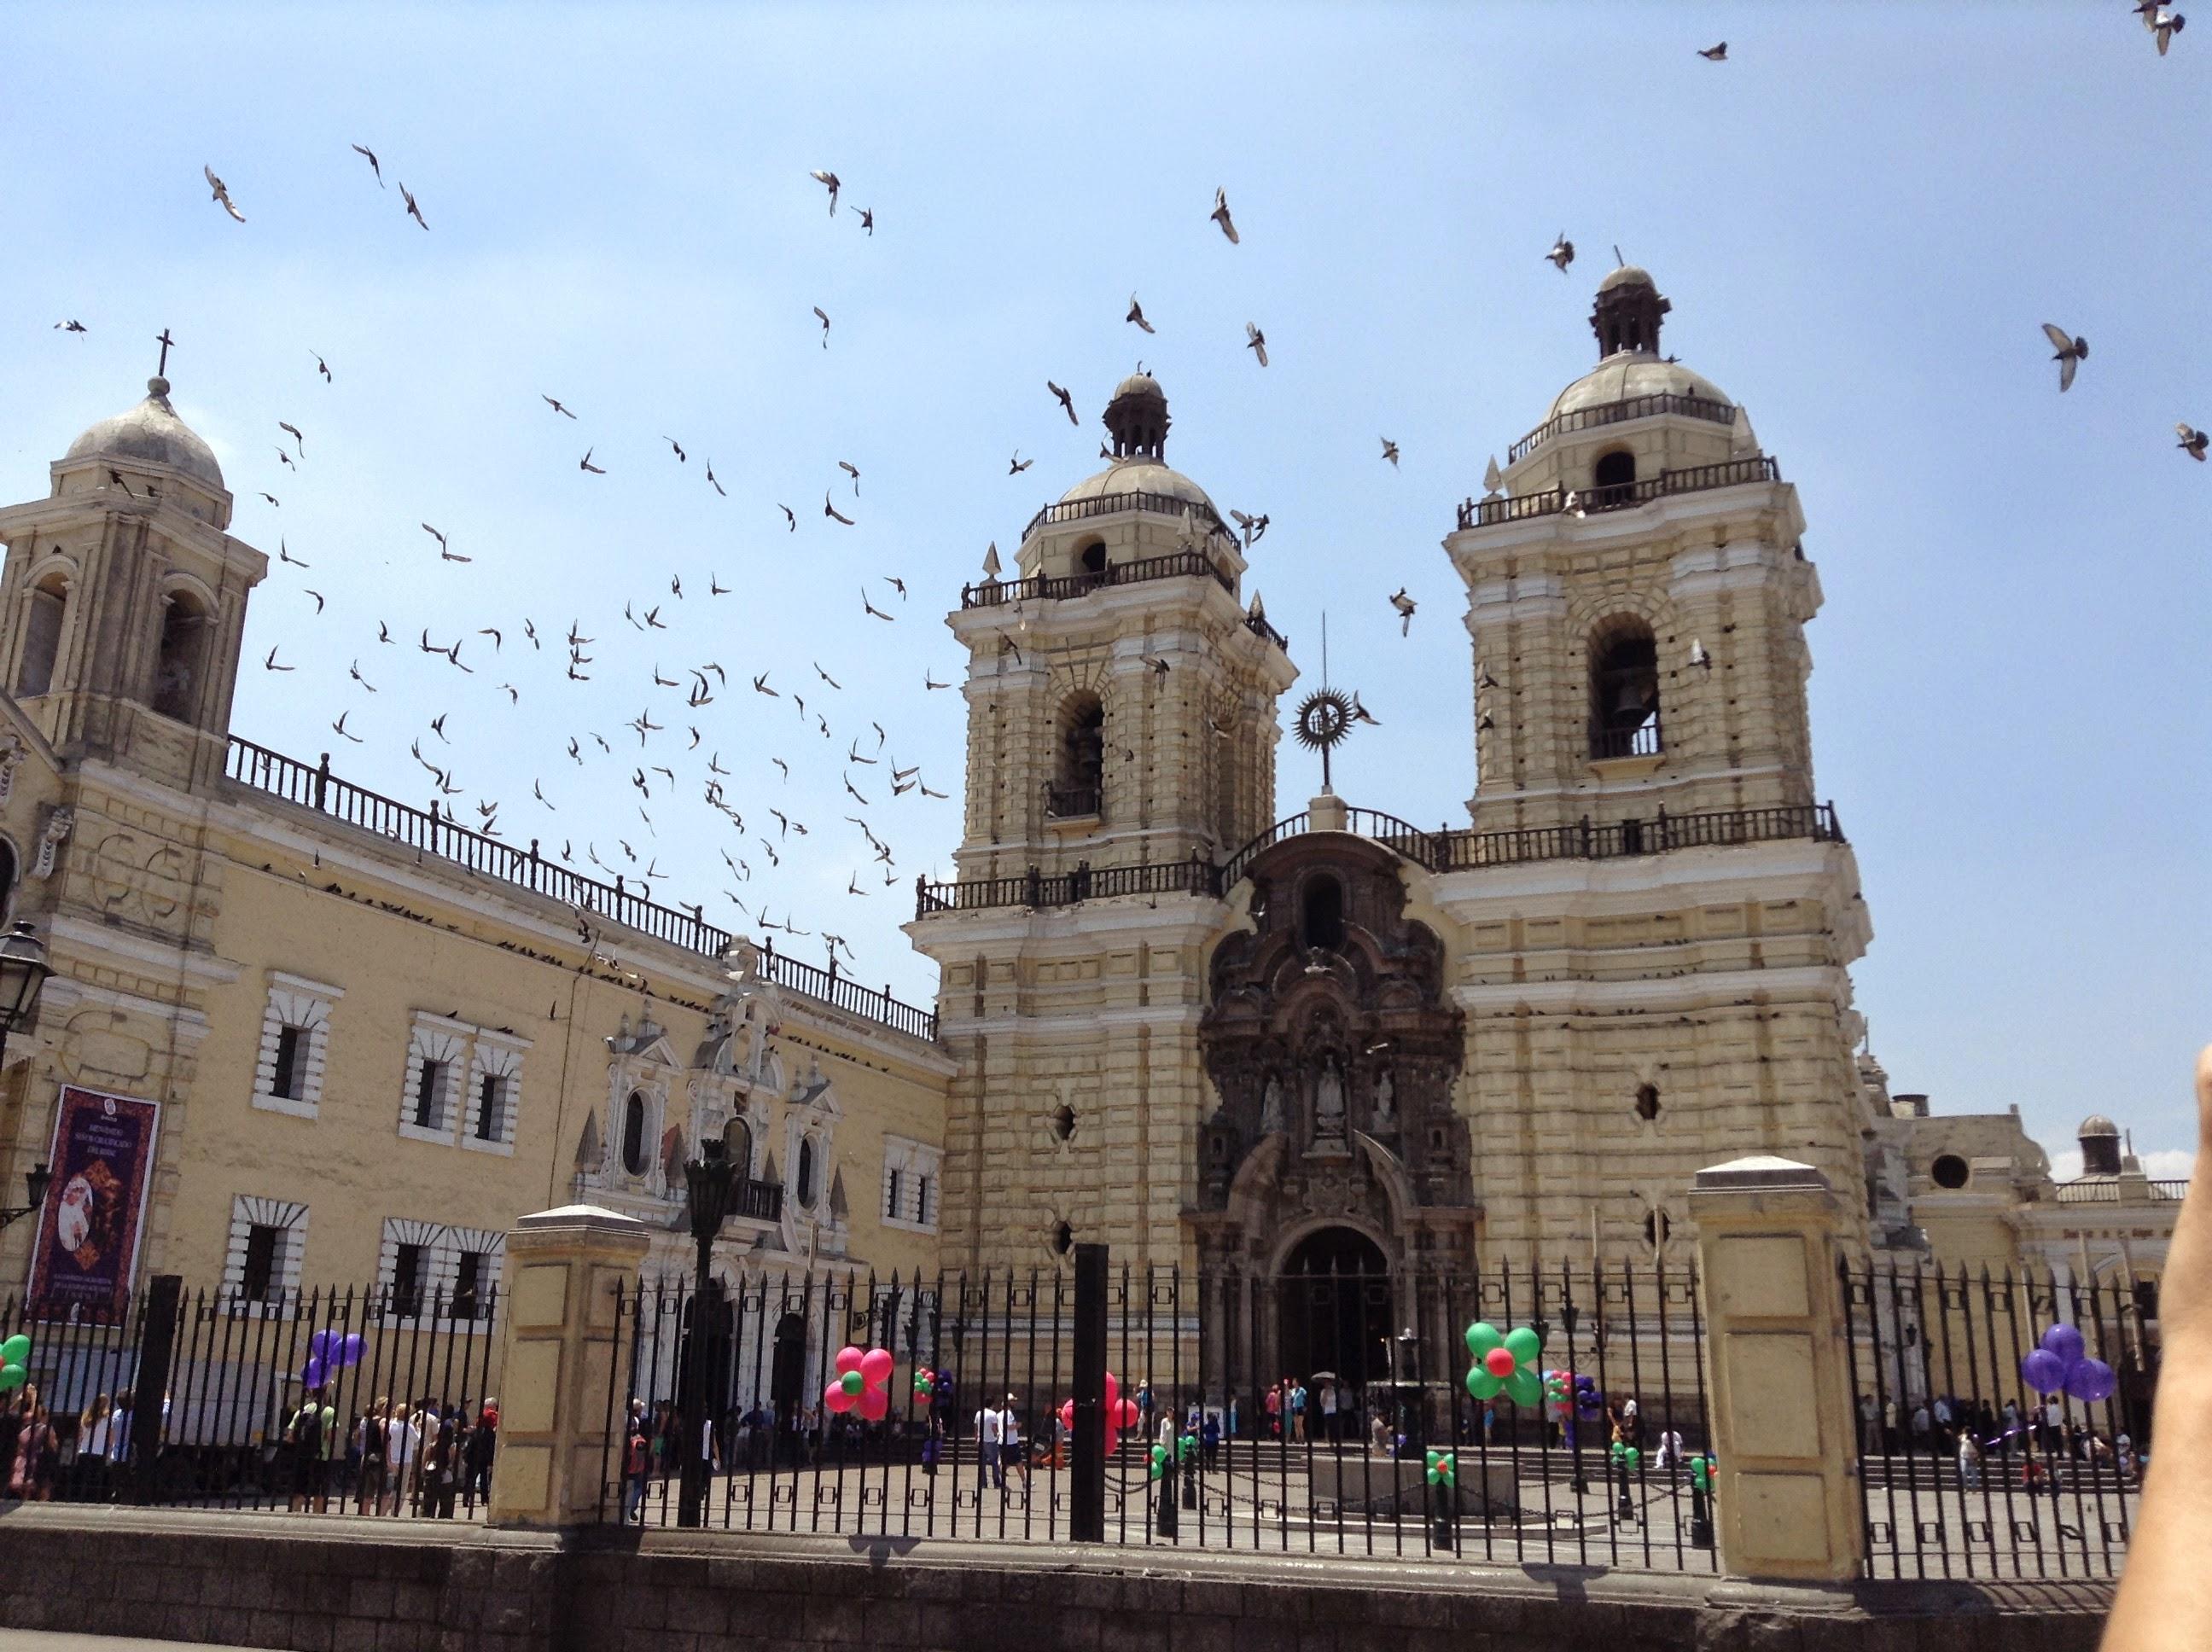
1326 715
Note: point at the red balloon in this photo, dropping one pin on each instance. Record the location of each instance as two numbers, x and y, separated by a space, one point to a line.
1112 1390
1499 1362
874 1404
848 1359
876 1364
836 1399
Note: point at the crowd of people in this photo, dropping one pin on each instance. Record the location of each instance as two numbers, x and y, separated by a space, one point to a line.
76 1457
2041 1437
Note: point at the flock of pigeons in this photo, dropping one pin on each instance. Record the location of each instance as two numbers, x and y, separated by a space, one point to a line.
677 763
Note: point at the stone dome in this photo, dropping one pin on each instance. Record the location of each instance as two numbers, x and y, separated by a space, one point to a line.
151 433
2095 1125
1131 475
1628 275
1626 373
1140 383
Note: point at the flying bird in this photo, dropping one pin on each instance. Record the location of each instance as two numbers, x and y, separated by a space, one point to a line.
284 553
273 499
829 181
1390 452
1220 215
271 665
1066 402
1137 314
292 430
850 471
584 463
1017 465
370 157
760 686
825 676
221 192
287 459
930 682
868 219
2068 353
322 366
824 315
678 446
69 326
1562 253
1256 341
717 486
1160 667
2163 22
1404 605
2193 441
557 406
339 728
870 607
791 521
413 211
1360 713
831 510
1714 53
318 596
354 671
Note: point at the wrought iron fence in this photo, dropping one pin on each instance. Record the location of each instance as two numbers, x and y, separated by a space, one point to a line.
1965 1471
1323 1411
199 1398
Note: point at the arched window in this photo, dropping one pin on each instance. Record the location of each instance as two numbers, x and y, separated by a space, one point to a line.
177 666
1613 482
633 1134
807 1172
1321 914
1624 665
1647 1102
42 636
1078 788
738 1146
1091 559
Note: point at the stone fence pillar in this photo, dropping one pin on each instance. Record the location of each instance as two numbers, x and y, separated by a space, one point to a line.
557 1364
1783 1429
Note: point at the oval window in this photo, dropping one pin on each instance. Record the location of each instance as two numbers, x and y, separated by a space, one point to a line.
1948 1171
633 1136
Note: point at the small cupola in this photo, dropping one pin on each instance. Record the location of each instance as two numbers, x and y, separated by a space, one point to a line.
1138 418
1627 312
2100 1146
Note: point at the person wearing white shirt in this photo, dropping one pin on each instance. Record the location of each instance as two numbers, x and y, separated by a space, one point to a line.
990 1441
401 1436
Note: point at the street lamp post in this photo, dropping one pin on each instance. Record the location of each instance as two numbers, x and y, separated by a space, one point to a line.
23 972
711 1180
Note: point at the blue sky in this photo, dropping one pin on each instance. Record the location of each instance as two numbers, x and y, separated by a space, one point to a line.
1860 218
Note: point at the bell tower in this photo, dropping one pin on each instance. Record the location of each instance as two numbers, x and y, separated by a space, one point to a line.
1121 731
123 600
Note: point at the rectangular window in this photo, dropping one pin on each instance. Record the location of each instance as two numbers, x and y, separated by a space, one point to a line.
42 643
291 1063
428 1083
264 1248
467 1282
891 1192
921 1211
487 1100
407 1281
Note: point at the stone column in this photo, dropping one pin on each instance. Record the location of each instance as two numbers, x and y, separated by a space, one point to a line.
557 1366
1788 1493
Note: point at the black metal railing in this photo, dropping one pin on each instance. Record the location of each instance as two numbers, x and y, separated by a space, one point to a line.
1071 802
756 1199
1732 473
971 1440
1642 741
1440 851
1965 1471
431 831
1181 565
224 1375
1632 407
2161 1191
1077 510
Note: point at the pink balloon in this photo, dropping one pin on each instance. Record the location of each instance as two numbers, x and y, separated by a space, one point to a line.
848 1359
836 1399
876 1365
1067 1415
1112 1390
874 1404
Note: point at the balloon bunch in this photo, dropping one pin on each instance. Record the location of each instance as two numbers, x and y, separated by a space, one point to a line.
1440 1468
1120 1413
1185 1444
925 1386
1623 1452
15 1363
1505 1363
328 1353
1701 1472
1568 1393
860 1384
2061 1365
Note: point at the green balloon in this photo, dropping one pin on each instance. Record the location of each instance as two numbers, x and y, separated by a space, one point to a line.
15 1350
852 1382
13 1376
1481 1384
1525 1344
1481 1337
1524 1388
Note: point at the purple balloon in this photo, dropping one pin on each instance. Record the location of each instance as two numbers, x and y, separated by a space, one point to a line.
350 1350
2043 1371
314 1376
2090 1381
320 1344
2065 1341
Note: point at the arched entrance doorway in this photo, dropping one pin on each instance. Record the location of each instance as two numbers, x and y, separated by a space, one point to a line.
1333 1313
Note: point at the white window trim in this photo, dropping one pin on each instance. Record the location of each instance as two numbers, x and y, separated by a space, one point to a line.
919 1166
294 1001
442 1245
248 1212
496 1055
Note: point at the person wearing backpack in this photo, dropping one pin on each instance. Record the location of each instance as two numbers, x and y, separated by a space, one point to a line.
376 1442
637 1463
309 1435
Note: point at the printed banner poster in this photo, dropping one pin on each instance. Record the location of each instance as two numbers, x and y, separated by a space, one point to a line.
89 1233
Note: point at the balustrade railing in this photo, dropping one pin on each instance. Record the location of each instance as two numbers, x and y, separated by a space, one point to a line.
1489 513
1632 407
1181 565
1153 504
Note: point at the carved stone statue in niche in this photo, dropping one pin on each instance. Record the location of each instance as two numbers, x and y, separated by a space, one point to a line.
1328 1103
1386 1101
1270 1106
